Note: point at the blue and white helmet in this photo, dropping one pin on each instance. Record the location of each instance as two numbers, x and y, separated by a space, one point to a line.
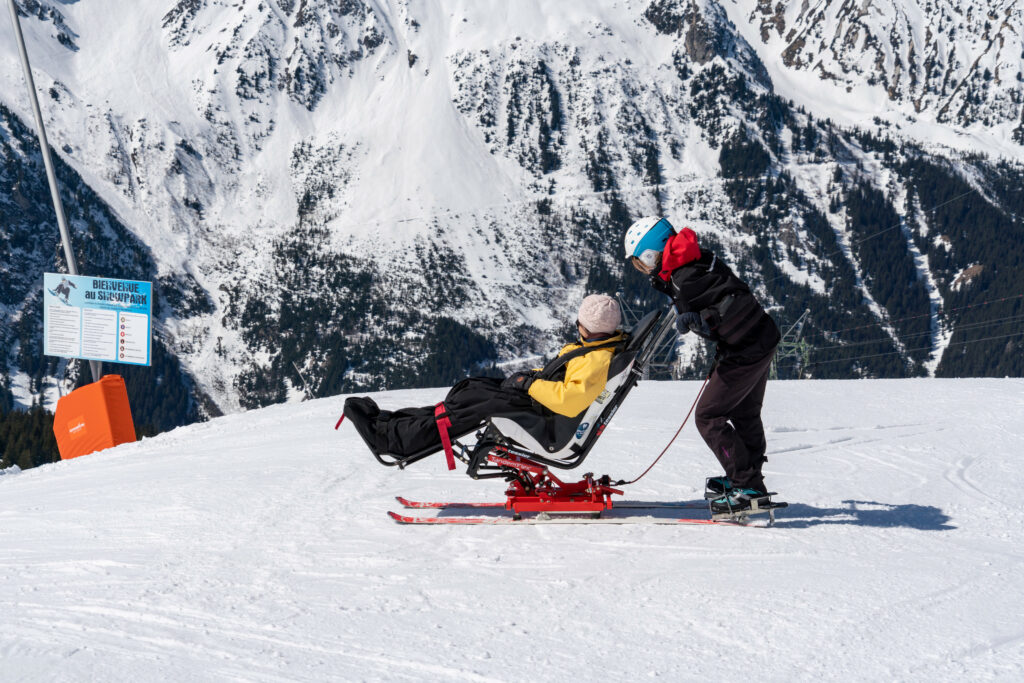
646 238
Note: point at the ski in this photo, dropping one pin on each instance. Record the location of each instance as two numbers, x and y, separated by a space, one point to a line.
544 518
626 505
443 505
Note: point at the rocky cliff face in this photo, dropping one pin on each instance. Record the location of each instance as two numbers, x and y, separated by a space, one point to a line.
343 196
953 62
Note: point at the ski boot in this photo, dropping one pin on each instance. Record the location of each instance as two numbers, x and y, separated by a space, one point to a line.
737 504
714 487
736 501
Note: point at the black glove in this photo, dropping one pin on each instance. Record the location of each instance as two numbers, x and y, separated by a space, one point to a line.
685 320
692 322
520 381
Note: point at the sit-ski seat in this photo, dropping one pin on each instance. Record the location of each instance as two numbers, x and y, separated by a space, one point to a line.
563 442
522 449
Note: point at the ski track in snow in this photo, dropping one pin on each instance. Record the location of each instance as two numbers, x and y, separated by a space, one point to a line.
256 547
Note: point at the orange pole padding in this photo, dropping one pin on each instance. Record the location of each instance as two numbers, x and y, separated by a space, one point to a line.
93 417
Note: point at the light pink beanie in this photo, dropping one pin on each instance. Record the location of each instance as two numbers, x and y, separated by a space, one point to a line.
600 314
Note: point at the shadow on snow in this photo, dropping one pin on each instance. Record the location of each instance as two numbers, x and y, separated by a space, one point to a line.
865 513
796 516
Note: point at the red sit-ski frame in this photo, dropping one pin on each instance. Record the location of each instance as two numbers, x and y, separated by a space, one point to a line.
538 490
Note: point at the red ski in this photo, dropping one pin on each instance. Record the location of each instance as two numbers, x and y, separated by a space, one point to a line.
626 504
545 518
441 505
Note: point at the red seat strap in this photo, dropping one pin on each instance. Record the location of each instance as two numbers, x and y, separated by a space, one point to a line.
443 423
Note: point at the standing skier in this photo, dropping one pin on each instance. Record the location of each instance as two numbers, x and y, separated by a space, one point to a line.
568 391
715 304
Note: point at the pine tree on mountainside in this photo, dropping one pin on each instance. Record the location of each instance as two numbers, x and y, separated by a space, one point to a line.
26 438
971 230
882 250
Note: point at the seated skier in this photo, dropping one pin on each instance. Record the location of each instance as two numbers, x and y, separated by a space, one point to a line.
569 391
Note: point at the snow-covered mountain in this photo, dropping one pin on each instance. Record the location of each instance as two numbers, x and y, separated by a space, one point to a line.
394 193
256 547
938 61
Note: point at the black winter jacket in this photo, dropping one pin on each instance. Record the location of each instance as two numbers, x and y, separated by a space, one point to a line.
742 329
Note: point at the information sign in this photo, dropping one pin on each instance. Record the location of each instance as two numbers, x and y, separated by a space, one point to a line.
97 318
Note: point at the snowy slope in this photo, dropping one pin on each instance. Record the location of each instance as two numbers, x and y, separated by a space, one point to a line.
255 547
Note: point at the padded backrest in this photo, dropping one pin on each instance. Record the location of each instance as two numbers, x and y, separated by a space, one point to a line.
643 328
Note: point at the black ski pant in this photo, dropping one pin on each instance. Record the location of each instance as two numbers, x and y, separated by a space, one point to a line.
469 403
728 417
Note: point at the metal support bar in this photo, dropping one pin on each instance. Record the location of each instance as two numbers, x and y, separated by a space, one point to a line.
660 358
65 236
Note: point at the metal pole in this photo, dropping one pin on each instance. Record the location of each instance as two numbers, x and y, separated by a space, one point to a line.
65 236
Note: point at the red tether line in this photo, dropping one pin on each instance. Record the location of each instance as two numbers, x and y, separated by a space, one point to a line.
665 450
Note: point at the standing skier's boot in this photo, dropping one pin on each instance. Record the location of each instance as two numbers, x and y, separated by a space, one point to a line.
737 500
363 413
718 485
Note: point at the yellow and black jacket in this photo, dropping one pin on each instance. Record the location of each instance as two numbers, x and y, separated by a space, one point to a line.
583 381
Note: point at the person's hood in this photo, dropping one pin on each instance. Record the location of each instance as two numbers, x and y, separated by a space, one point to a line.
680 249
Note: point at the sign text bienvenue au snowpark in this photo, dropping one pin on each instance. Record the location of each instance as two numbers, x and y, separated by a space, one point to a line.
97 318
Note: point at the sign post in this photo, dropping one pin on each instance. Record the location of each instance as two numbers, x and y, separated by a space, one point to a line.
51 176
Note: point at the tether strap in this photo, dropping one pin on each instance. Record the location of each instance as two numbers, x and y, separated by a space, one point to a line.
443 423
685 420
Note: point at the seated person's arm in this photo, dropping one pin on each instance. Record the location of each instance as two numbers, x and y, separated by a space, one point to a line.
585 378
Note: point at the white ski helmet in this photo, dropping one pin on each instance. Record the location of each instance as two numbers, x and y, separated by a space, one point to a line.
646 238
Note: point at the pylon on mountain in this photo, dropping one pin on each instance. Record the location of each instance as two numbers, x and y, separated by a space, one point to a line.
792 346
662 363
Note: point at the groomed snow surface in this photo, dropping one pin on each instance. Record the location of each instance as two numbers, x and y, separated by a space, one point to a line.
256 547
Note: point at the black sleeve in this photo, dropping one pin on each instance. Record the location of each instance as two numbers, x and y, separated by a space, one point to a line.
699 287
661 285
687 288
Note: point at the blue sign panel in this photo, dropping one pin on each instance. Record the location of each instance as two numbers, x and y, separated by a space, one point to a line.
97 318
